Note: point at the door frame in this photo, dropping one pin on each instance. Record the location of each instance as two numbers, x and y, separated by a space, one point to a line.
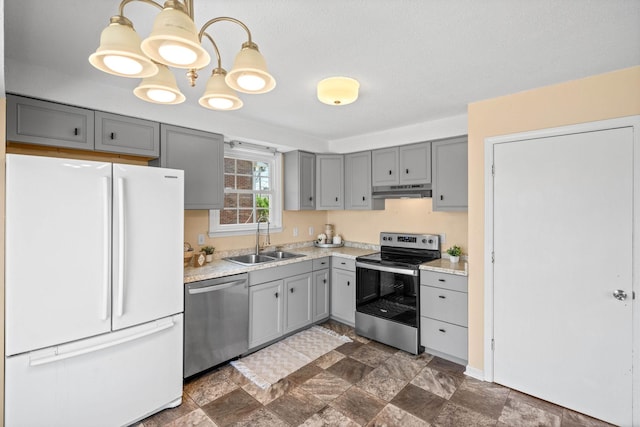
489 143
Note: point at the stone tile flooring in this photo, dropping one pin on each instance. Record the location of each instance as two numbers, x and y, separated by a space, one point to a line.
363 383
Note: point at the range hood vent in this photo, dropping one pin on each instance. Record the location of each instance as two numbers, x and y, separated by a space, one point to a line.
416 191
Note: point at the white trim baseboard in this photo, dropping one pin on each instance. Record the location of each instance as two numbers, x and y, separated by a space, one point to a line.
474 373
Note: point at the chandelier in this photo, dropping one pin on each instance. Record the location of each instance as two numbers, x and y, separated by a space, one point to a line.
175 42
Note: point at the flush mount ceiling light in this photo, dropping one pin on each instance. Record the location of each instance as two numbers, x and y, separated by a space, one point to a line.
338 90
175 42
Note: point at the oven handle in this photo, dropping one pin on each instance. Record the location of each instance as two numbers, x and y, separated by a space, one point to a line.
387 269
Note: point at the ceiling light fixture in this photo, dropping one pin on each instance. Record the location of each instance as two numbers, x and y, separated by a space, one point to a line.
338 90
175 42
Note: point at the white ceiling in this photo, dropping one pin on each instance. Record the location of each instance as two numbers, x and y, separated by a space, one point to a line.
418 61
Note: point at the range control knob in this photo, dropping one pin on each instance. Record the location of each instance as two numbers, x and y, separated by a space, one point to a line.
430 241
424 240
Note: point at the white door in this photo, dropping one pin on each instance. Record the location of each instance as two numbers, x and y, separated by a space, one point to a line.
58 249
148 231
563 216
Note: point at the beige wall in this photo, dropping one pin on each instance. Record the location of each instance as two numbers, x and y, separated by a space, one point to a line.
404 216
605 96
409 216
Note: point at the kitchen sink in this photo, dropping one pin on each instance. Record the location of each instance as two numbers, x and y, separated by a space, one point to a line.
253 259
281 254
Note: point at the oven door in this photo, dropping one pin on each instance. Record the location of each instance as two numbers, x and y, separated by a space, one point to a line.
388 292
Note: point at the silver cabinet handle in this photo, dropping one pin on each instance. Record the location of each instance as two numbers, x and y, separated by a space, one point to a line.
620 295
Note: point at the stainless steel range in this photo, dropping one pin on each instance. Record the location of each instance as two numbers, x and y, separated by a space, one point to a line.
388 287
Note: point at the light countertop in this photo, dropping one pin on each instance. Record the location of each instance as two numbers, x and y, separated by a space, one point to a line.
221 268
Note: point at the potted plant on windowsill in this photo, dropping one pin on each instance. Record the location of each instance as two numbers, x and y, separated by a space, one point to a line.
208 250
454 253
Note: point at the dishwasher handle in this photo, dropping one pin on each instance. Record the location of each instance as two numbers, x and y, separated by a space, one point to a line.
213 288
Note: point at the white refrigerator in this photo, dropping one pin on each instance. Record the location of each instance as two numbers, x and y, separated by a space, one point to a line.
94 291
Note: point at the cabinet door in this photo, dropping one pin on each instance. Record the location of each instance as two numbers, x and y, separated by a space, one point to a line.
266 310
385 164
307 181
298 301
330 181
126 135
450 172
415 163
343 296
357 180
321 295
299 180
201 156
46 123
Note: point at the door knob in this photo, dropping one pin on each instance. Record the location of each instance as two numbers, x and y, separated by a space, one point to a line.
620 295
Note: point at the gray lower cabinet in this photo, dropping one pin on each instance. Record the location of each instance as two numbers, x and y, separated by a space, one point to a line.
357 182
443 315
321 289
299 181
201 156
298 301
280 301
126 135
450 173
266 312
343 290
34 121
329 181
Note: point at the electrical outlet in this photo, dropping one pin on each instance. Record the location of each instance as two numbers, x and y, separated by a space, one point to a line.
443 238
310 231
201 239
295 231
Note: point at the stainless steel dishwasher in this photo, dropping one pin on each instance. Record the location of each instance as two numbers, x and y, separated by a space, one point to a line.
216 322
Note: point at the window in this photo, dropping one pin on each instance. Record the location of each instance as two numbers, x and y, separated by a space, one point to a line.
251 192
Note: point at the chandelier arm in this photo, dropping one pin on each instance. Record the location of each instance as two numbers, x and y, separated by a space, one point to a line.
215 47
224 18
123 3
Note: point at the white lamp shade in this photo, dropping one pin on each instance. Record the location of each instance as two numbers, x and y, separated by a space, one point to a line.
174 41
160 89
218 95
119 52
338 90
249 73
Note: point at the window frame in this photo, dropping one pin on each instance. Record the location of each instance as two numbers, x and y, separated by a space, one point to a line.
275 210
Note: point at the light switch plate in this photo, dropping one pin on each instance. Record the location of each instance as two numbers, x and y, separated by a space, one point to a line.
442 238
201 239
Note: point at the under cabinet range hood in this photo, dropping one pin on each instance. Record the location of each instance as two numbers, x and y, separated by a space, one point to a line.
415 191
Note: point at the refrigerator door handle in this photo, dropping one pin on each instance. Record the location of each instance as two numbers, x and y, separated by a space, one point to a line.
160 326
106 261
121 233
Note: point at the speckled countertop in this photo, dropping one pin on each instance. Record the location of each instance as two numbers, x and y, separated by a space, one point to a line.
443 265
221 268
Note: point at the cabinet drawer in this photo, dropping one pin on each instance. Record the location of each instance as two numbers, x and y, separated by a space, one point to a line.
344 263
443 337
443 304
321 263
443 280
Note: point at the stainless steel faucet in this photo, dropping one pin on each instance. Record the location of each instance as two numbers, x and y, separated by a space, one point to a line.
262 218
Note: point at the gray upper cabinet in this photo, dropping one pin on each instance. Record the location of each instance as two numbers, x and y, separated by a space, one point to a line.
450 172
126 135
404 165
357 182
34 121
415 163
201 156
385 164
299 181
330 181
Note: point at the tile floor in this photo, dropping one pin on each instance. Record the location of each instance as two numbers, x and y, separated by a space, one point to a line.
363 383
